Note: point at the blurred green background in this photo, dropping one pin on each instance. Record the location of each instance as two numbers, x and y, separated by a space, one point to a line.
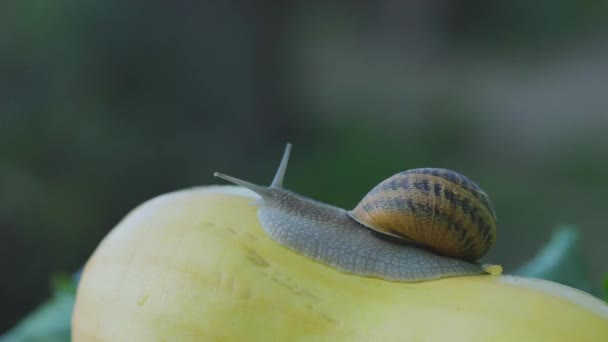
105 104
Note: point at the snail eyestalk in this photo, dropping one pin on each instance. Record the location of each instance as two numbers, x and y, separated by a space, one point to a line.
277 182
258 189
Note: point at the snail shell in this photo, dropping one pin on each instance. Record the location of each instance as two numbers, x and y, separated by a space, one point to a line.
437 208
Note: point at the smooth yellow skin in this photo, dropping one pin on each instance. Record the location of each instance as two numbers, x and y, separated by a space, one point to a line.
195 265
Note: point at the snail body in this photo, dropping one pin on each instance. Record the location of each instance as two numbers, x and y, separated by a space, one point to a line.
346 241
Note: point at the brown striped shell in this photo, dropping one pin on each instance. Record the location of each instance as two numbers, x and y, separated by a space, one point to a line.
437 208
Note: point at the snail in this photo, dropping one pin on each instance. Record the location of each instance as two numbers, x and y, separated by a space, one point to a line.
417 225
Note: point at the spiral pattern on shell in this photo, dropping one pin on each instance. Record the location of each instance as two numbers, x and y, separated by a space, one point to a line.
437 208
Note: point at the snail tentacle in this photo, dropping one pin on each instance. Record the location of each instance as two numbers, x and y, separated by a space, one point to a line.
263 191
258 189
277 182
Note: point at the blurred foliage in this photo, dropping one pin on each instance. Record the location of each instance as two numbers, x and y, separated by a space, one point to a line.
104 105
50 322
560 260
606 287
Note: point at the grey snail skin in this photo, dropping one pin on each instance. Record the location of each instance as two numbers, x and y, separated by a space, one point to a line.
417 225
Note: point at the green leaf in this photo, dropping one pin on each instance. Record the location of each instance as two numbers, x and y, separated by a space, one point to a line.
606 287
50 322
560 260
